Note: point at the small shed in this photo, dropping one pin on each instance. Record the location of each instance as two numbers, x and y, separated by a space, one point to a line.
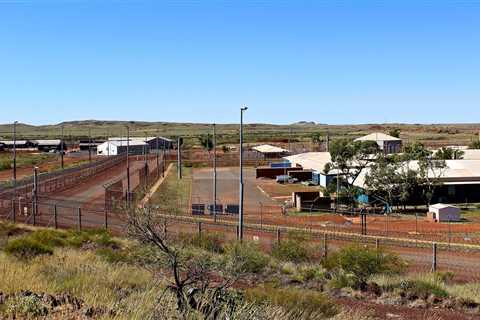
443 213
270 152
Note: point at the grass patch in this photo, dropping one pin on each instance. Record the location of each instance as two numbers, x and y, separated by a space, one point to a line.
212 242
246 257
302 304
26 248
294 250
362 263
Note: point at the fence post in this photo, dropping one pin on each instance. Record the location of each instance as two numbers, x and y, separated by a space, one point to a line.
199 228
35 194
106 218
434 257
14 214
79 216
377 244
55 216
278 235
325 245
237 232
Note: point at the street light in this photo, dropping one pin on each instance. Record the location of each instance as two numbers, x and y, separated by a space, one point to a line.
214 175
62 150
128 166
15 152
240 205
14 167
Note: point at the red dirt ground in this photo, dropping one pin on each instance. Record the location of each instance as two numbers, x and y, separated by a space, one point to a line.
46 166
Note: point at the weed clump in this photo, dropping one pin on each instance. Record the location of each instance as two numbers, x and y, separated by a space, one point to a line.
301 304
361 263
246 257
212 242
26 248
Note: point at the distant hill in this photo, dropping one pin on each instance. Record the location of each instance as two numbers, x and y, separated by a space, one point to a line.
430 134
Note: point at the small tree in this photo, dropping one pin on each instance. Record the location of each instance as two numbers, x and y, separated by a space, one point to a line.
430 169
395 132
475 144
187 274
350 158
383 178
447 153
206 141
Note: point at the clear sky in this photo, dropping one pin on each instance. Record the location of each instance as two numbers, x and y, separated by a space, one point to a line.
199 61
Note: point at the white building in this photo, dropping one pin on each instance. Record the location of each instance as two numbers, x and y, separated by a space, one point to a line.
113 148
443 213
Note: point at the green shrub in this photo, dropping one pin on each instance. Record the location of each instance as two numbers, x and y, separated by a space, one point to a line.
111 255
29 306
363 262
50 238
208 241
25 248
301 304
423 289
292 250
98 237
246 257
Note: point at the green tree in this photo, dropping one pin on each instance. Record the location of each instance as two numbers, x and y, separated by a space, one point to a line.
429 169
206 141
395 132
316 137
475 144
447 153
383 178
349 158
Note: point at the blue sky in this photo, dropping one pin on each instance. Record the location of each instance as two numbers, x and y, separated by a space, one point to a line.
332 62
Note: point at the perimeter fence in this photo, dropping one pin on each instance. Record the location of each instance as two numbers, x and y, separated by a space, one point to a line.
422 256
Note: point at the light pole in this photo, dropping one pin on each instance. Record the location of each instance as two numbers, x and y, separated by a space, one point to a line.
89 145
157 155
15 152
62 150
128 166
240 205
14 167
214 175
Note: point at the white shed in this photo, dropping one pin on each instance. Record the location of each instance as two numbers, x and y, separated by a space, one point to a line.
443 212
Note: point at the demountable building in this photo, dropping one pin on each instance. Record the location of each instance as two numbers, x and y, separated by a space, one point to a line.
443 213
113 148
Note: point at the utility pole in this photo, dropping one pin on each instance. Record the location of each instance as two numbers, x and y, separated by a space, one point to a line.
14 167
62 149
146 160
240 205
89 145
214 175
15 152
128 166
179 157
158 156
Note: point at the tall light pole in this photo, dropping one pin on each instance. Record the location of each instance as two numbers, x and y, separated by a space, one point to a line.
62 150
214 175
179 158
128 166
89 144
14 168
240 205
158 155
15 152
